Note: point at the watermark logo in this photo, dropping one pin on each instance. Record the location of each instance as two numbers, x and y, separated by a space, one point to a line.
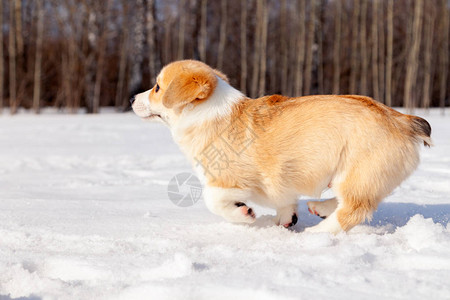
184 189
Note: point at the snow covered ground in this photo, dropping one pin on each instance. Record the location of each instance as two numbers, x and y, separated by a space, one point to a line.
85 214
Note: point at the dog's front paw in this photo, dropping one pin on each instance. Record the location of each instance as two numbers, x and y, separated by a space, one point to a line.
243 214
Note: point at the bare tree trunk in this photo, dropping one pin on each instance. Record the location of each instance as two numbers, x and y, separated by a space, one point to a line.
429 32
38 60
262 77
19 35
138 48
167 41
354 43
83 87
291 64
223 33
122 68
75 81
64 96
66 29
72 58
381 54
71 73
257 49
101 58
363 42
18 27
389 51
12 61
413 58
337 45
443 55
20 50
400 59
74 61
91 35
274 61
309 49
376 91
151 36
120 99
283 47
202 39
243 84
181 28
320 51
2 66
300 49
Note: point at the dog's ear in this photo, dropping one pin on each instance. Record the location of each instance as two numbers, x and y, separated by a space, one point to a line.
189 86
221 75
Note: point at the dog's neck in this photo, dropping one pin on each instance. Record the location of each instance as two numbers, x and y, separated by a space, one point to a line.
220 104
207 117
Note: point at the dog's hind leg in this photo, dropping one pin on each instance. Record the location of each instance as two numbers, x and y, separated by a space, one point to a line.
349 212
367 180
359 193
322 208
357 197
370 180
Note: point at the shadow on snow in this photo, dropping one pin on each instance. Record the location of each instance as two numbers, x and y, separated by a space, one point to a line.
391 215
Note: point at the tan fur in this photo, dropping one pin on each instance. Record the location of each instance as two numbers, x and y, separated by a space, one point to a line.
360 147
187 85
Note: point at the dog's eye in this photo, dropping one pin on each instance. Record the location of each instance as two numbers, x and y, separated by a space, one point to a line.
157 88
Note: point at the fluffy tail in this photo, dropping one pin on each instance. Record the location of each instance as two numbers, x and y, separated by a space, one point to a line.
421 129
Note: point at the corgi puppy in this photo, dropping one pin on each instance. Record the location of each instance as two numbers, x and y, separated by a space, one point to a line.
273 149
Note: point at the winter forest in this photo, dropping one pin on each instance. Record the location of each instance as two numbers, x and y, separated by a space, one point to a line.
73 54
94 198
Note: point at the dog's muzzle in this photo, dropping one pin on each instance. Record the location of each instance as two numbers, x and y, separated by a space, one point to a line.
140 108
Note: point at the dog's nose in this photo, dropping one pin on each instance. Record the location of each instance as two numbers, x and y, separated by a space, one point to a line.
132 100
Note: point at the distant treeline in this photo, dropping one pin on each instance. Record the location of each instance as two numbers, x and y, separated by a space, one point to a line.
90 53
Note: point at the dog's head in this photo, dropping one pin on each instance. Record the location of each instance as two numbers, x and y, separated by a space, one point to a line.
181 85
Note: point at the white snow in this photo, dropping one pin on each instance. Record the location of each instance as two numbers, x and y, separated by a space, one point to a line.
84 214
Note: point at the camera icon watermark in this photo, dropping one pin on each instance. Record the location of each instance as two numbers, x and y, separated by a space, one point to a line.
184 189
